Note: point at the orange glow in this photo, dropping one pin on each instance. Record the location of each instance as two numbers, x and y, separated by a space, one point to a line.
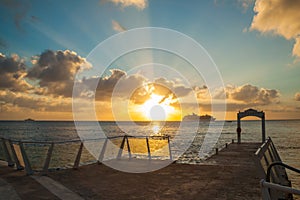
158 104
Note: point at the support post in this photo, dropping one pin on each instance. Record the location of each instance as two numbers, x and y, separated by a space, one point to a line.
101 156
25 159
170 152
77 160
19 167
10 162
238 129
121 148
263 128
48 158
148 148
128 148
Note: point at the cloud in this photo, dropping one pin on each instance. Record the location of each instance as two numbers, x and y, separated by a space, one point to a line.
117 26
19 10
37 103
123 85
201 92
297 96
12 72
280 17
139 4
245 4
179 89
241 4
252 94
55 71
106 85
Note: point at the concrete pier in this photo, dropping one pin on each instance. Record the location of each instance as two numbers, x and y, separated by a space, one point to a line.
232 174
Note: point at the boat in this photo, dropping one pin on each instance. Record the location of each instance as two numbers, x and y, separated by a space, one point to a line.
29 120
202 118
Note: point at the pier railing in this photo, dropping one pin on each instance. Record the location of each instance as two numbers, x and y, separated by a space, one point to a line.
276 185
45 155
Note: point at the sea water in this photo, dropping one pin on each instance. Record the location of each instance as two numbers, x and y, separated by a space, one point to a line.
285 135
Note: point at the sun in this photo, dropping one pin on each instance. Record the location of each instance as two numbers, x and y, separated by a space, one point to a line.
156 110
154 103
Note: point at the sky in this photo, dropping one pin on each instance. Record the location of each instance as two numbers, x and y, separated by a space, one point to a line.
255 45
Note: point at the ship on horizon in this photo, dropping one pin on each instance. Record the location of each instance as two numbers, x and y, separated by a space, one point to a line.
201 118
29 120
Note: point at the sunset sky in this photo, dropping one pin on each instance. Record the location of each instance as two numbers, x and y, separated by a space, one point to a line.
43 44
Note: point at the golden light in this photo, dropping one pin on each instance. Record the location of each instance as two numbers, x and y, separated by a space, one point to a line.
154 103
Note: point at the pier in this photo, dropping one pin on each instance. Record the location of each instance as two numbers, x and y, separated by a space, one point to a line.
231 174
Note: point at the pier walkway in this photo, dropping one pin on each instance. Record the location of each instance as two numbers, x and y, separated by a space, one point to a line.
231 174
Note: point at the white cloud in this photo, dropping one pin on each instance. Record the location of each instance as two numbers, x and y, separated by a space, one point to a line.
280 17
252 94
139 4
297 96
245 4
117 26
37 103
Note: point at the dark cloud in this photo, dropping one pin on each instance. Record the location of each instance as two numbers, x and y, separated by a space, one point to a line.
118 80
55 71
179 90
18 9
12 71
124 85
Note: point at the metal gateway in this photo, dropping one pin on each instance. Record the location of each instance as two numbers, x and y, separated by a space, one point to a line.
251 112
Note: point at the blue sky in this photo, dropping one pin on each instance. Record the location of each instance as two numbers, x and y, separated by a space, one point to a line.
258 56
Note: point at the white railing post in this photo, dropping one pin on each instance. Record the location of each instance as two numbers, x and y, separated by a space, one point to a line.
77 161
264 191
25 159
9 160
48 158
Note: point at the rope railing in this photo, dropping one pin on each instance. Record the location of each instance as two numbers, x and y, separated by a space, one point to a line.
14 151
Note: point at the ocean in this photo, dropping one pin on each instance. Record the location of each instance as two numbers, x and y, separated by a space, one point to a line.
284 133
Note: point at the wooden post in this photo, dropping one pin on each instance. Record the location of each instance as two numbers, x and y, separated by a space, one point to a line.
77 160
48 158
148 148
25 159
217 151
